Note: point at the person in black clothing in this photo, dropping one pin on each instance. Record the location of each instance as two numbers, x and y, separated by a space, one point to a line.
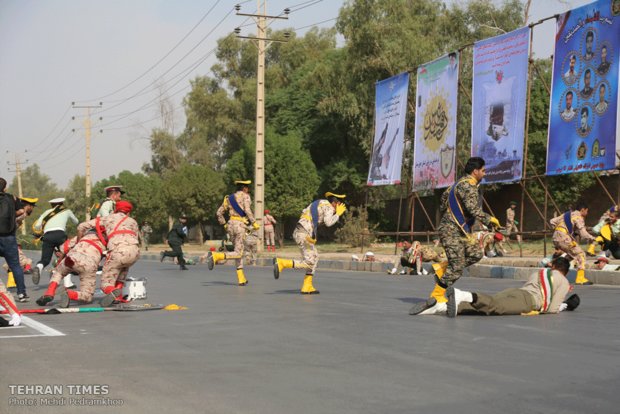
10 208
176 238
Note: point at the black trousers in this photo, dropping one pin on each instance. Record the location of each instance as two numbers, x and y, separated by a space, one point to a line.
50 240
177 252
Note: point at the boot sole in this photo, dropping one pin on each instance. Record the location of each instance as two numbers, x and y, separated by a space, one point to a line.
588 283
36 276
110 298
64 299
44 300
422 306
316 292
452 308
243 284
276 270
210 262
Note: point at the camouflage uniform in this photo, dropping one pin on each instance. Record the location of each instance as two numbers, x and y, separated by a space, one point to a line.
462 250
251 247
237 225
416 255
303 235
83 259
268 225
566 242
510 221
123 246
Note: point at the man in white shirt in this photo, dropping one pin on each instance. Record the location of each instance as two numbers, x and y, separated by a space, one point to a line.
52 226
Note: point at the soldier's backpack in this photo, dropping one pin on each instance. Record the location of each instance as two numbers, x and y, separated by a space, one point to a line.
7 214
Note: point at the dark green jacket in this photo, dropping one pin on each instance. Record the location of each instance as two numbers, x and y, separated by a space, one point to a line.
177 235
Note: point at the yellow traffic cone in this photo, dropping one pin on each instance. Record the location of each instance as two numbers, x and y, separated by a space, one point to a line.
10 283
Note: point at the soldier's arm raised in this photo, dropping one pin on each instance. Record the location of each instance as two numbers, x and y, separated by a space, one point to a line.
329 215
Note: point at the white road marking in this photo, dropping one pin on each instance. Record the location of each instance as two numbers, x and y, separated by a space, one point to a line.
42 329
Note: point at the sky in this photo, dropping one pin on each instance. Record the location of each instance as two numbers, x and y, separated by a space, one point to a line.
53 53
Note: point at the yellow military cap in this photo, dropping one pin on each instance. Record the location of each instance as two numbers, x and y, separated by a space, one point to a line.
330 194
246 182
30 200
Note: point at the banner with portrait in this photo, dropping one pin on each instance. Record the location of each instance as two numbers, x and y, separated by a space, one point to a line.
499 102
388 143
583 116
434 151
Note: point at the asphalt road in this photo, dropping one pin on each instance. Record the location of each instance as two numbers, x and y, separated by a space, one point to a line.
264 348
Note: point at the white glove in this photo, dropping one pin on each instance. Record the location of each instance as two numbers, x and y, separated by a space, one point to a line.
16 320
563 306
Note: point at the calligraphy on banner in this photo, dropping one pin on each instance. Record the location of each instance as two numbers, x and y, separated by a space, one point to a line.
434 152
499 102
583 117
388 143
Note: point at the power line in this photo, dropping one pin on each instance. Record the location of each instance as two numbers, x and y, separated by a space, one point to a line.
172 67
315 24
55 126
163 58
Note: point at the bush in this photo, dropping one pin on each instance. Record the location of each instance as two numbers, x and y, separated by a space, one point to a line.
356 230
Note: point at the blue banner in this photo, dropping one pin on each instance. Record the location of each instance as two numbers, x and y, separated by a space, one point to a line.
388 143
434 151
499 104
583 116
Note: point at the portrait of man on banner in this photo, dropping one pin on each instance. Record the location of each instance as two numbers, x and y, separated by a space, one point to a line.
583 115
390 116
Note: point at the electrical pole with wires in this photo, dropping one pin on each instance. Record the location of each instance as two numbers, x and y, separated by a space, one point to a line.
261 42
87 126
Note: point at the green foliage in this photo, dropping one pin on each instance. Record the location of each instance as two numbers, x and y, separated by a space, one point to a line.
194 190
356 229
292 180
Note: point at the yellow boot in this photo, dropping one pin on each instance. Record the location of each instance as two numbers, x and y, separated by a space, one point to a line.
581 278
591 249
281 264
440 268
241 278
213 258
307 288
10 283
439 294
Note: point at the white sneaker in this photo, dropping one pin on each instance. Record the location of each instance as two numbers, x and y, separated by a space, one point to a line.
403 272
424 271
430 307
392 272
437 309
455 298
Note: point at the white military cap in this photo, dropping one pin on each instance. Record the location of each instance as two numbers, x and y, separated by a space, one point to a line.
58 200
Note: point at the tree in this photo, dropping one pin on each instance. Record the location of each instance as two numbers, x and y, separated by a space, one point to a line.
291 179
194 190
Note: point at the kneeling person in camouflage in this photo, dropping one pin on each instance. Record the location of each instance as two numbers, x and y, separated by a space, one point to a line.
123 248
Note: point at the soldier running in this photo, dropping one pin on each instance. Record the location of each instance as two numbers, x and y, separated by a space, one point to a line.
326 212
511 223
566 226
123 248
460 208
413 255
238 205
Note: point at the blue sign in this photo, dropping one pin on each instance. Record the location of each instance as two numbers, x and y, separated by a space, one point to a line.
583 116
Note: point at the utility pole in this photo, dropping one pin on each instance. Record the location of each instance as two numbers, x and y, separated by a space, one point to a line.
87 126
262 42
18 173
